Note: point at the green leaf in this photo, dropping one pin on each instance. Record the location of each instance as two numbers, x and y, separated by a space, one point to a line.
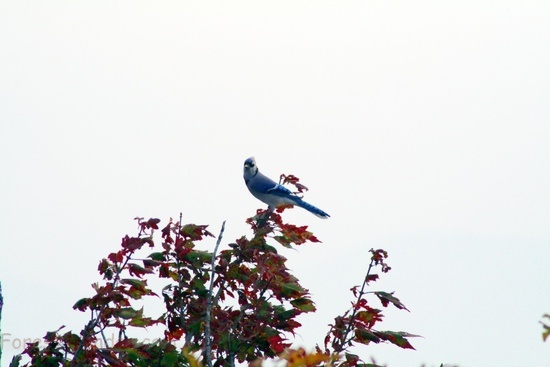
283 241
195 232
283 314
81 304
199 287
397 338
387 298
369 317
303 304
72 340
198 258
365 336
292 289
353 358
158 256
15 361
141 321
134 282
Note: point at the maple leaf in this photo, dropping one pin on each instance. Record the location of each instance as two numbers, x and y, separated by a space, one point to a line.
276 342
300 358
195 232
352 359
293 180
153 223
157 256
132 243
387 298
103 266
397 338
140 321
116 257
370 317
371 278
174 334
292 290
366 336
166 230
72 340
137 270
125 343
81 304
303 304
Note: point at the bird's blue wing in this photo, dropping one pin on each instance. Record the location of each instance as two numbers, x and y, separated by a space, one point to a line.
280 190
264 185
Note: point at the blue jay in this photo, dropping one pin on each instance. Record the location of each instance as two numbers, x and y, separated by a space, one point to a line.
271 193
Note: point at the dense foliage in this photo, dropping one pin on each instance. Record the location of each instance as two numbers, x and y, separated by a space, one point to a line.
238 305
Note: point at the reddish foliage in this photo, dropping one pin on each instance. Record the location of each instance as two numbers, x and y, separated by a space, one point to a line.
116 257
293 180
255 301
357 324
277 343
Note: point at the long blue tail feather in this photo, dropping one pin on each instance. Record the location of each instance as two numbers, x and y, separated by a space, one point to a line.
312 209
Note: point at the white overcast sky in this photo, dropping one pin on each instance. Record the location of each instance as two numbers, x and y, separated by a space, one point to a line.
422 127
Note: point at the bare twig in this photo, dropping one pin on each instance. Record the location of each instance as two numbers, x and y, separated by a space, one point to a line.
104 338
207 332
180 288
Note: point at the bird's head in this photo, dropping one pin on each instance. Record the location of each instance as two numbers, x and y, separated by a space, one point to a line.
250 169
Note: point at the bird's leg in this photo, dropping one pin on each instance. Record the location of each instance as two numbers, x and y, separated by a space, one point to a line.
264 217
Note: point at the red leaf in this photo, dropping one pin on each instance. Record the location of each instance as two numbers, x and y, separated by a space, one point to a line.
125 343
152 223
370 317
139 271
116 257
293 180
276 343
103 266
132 243
174 335
372 277
166 232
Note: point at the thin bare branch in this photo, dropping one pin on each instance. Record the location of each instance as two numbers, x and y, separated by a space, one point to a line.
208 350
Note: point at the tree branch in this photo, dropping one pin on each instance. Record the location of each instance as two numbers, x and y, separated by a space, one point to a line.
352 317
207 332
